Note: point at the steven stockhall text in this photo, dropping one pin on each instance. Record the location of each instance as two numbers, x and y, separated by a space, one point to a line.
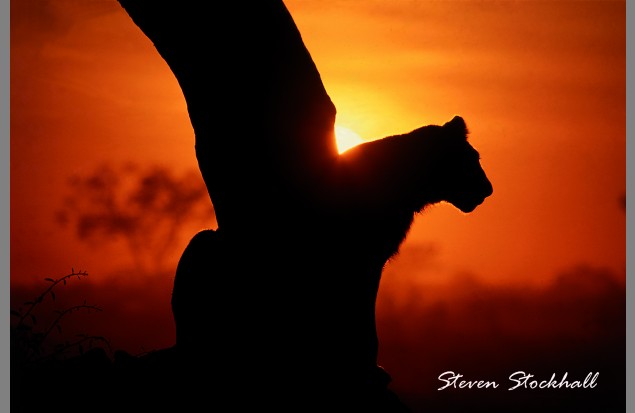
521 380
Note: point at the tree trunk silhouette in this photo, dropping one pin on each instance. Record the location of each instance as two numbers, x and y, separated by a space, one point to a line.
279 301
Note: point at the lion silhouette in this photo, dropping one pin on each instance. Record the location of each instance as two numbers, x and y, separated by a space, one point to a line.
377 188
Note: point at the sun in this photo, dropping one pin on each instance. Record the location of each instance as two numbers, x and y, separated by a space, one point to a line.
346 138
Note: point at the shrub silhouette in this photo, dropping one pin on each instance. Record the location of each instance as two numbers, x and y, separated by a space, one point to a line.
29 340
41 365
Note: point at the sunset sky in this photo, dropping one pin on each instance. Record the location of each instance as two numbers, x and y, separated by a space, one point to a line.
541 85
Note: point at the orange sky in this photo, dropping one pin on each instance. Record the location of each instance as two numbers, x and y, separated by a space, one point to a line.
540 84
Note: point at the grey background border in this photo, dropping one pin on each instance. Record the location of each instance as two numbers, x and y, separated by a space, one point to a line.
5 152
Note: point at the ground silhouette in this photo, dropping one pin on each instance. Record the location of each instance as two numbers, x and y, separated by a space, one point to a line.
276 307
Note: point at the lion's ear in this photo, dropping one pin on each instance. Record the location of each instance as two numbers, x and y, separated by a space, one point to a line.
457 124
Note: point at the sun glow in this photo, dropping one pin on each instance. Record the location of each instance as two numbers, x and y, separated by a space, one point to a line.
346 138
